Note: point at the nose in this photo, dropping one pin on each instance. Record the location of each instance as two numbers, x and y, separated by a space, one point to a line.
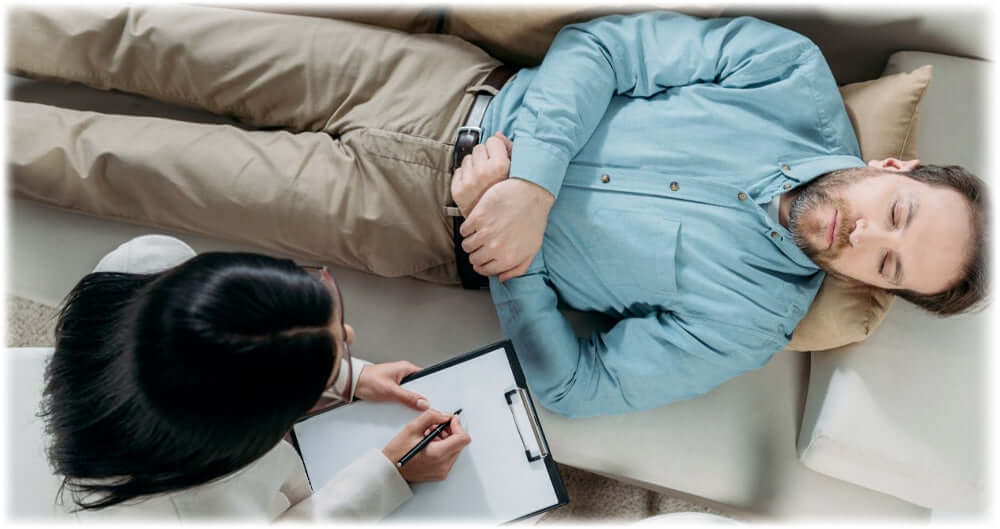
865 233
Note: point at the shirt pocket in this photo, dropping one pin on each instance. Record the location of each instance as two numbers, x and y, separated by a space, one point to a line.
635 252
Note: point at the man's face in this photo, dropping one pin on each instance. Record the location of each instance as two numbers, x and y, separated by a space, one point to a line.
891 231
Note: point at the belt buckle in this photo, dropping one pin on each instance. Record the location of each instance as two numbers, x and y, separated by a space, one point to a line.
465 132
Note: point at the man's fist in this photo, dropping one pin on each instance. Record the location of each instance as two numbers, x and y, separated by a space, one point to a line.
504 232
488 164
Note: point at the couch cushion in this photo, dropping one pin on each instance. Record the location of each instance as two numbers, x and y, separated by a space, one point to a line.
31 493
521 35
903 412
885 114
857 39
413 18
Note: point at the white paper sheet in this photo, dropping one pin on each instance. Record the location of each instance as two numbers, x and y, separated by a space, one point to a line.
492 480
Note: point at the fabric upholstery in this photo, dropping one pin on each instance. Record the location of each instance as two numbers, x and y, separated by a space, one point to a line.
521 34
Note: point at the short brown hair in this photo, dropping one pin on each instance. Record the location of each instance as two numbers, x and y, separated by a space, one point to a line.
973 286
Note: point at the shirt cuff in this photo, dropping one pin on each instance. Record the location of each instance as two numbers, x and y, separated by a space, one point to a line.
539 163
396 484
357 365
533 280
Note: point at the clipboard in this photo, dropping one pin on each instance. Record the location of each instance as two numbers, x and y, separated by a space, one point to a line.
506 474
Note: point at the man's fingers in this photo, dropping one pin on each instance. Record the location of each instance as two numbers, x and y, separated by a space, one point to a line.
490 268
473 243
517 271
459 191
469 226
480 155
496 148
499 162
480 257
507 143
468 166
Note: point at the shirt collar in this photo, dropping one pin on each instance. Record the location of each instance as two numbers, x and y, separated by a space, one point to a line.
807 169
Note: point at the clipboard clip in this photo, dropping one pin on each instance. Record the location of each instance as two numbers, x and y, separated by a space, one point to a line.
526 423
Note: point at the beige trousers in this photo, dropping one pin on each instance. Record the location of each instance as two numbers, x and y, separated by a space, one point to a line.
356 176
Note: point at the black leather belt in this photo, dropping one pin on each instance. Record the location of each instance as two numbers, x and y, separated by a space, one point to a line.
466 139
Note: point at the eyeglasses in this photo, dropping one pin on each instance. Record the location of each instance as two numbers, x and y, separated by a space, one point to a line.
343 358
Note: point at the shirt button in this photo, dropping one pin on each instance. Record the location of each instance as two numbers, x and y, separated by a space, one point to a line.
785 168
674 186
742 196
774 235
605 178
786 187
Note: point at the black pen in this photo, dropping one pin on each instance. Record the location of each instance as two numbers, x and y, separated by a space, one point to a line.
424 442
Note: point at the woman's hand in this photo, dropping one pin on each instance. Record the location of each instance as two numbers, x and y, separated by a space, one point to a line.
436 459
380 383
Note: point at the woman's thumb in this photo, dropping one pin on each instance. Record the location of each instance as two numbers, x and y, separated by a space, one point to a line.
411 399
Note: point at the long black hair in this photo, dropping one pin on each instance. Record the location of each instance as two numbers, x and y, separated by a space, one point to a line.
165 381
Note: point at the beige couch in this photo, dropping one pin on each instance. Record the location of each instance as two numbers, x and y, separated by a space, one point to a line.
890 428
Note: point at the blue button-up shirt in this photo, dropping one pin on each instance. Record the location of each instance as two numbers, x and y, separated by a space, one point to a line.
662 136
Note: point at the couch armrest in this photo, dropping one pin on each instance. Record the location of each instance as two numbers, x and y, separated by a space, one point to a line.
903 412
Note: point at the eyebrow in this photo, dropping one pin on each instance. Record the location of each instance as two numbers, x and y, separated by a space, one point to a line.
897 278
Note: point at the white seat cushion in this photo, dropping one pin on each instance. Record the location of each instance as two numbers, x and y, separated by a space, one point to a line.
903 412
32 486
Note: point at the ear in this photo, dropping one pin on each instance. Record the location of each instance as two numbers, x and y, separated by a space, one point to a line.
893 164
350 334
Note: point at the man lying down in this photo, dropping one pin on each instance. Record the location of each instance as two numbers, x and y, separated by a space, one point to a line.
694 179
700 179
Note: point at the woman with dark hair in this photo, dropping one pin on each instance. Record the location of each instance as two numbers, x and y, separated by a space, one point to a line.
176 377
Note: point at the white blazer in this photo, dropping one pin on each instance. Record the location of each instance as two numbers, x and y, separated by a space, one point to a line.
273 487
